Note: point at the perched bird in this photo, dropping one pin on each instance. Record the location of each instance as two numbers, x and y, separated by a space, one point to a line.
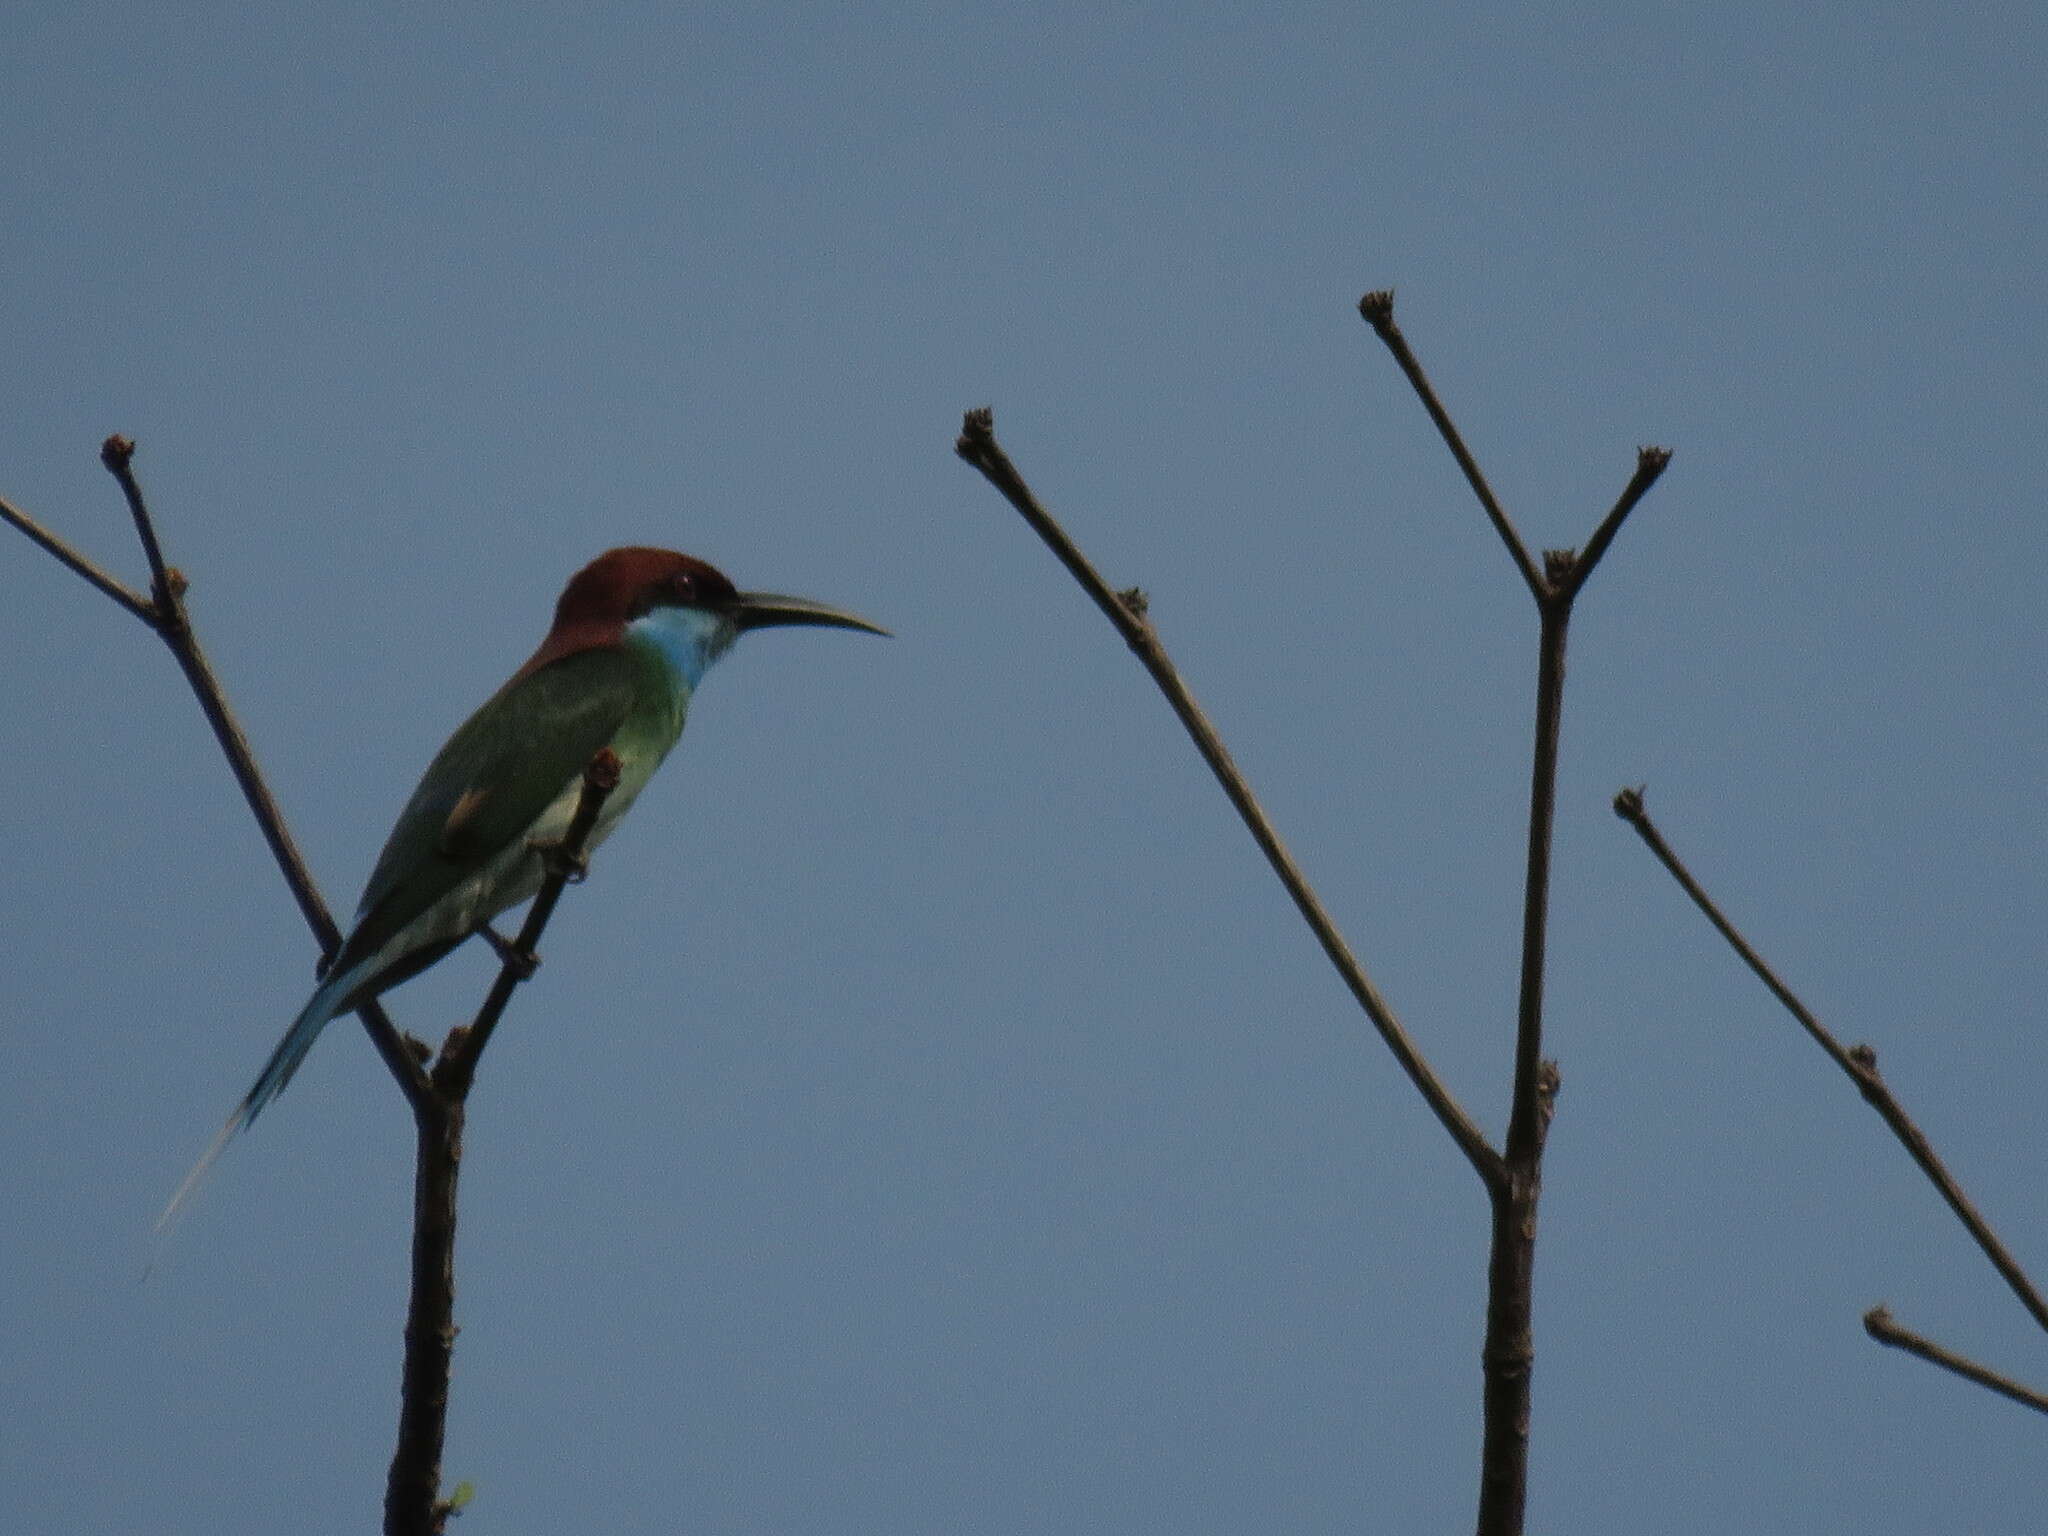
634 632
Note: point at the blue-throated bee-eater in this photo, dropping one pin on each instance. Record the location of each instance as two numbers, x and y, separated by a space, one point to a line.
634 633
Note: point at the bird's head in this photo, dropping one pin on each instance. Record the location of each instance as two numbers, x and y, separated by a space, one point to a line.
681 605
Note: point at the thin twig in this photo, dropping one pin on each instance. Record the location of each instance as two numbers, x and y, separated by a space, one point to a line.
1377 308
413 1505
978 446
1877 1322
1858 1062
1650 463
119 591
118 454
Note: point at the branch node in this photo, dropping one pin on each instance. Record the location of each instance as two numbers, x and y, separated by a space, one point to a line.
522 962
1135 602
1549 1083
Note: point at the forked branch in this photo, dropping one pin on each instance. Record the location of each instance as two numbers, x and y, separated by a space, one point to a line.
413 1505
164 611
1512 1177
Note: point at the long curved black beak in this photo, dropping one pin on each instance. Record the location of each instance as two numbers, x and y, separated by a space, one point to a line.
765 610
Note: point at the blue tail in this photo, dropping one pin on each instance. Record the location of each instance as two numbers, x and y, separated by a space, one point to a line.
325 1003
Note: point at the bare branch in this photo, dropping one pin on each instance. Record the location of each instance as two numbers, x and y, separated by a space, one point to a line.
1858 1062
1127 611
1527 1115
118 454
1650 463
121 593
1377 308
164 612
413 1505
1877 1322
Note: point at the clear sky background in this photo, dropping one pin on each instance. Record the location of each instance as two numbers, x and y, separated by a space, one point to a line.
931 1116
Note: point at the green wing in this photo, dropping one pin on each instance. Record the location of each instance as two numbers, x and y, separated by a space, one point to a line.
504 766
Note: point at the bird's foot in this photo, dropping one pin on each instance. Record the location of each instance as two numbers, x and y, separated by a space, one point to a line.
557 860
524 962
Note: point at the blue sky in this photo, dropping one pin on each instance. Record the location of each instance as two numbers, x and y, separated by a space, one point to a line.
931 1116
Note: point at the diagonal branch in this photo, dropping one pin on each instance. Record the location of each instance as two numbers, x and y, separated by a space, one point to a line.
1377 308
1650 463
118 590
164 612
1126 610
1877 1322
1858 1062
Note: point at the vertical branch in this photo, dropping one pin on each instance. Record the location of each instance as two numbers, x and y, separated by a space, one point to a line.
1527 1119
1509 1354
412 1492
413 1505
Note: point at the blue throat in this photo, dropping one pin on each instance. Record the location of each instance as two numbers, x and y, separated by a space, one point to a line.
687 640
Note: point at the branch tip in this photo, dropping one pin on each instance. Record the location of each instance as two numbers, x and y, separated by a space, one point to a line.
1652 461
1377 310
116 451
977 433
1628 805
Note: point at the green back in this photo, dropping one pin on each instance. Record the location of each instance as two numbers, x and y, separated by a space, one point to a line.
503 767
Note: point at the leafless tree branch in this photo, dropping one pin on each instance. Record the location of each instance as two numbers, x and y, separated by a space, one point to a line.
1127 611
164 611
1877 1322
1509 1352
413 1505
1377 309
1512 1177
1858 1062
